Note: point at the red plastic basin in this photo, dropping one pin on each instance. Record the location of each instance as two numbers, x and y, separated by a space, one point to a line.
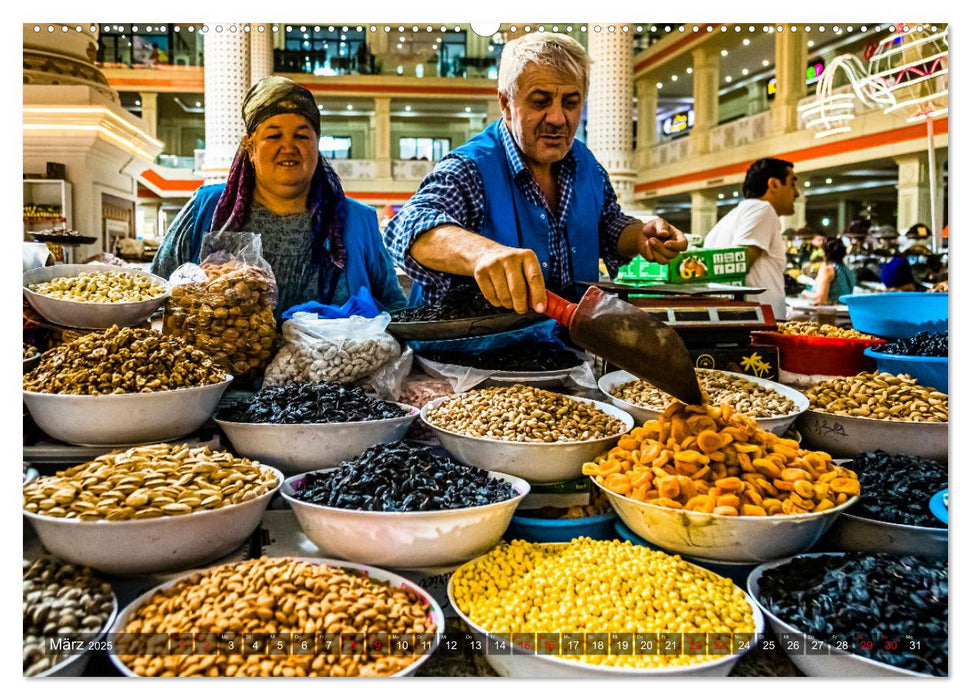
810 354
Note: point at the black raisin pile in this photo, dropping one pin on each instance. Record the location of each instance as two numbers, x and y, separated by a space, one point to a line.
461 302
897 488
324 402
924 344
525 357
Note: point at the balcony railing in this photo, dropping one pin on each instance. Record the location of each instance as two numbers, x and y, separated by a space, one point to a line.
355 169
668 153
740 132
410 169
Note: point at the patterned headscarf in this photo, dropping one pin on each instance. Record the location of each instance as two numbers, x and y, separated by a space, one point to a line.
271 96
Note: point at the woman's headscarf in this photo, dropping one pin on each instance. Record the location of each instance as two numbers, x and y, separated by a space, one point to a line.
271 96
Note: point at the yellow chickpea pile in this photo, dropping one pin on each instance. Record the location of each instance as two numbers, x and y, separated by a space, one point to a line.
592 587
714 460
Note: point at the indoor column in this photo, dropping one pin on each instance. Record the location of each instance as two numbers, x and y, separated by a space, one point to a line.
150 112
227 78
705 69
260 52
791 56
704 212
798 218
646 120
381 136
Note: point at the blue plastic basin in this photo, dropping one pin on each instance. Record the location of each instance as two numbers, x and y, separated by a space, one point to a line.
596 527
928 371
897 314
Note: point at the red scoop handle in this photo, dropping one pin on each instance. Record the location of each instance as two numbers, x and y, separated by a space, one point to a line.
560 309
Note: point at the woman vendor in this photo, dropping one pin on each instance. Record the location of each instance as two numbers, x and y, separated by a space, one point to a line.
321 245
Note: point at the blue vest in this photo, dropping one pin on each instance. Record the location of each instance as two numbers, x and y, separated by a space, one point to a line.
368 264
512 220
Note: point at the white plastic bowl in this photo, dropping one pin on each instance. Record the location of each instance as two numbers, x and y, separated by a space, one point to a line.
735 539
526 665
76 314
405 540
434 609
135 547
124 419
775 424
75 665
305 447
854 533
831 662
536 462
846 436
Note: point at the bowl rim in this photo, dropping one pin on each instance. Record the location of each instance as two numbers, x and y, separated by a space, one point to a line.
413 413
757 618
133 272
433 608
881 421
768 383
788 517
933 359
600 405
131 394
512 375
521 485
755 577
911 529
823 340
61 665
163 519
896 295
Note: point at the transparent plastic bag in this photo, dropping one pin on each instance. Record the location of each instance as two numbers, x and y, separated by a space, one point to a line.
387 380
336 350
224 306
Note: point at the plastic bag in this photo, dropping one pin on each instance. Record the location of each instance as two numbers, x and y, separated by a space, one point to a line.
337 350
224 306
387 380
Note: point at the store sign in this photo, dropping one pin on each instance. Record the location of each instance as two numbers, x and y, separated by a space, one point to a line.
813 73
678 123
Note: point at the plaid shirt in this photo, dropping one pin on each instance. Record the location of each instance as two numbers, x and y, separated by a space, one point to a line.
453 193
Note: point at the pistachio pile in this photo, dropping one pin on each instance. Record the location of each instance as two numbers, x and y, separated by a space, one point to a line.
122 361
881 395
101 288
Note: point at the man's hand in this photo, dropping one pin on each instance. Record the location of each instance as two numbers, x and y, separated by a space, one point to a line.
512 278
658 241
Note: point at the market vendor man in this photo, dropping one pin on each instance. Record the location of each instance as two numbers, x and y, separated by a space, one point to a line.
523 206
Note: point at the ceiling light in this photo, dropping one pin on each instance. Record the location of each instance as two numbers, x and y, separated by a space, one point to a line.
690 71
724 52
198 104
734 194
407 108
765 62
138 103
674 78
728 78
745 42
350 107
808 183
343 37
811 43
745 71
468 109
660 85
721 196
829 181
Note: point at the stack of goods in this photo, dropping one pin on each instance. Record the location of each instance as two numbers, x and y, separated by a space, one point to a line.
713 460
101 288
879 395
122 361
858 603
403 478
520 413
599 587
295 599
824 330
896 488
326 402
524 357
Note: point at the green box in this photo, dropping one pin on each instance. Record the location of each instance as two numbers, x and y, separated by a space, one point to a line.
695 266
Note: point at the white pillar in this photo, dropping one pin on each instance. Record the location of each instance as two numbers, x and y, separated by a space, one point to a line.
260 52
914 191
705 70
790 78
798 218
226 48
756 98
150 111
610 107
381 136
646 120
704 212
492 111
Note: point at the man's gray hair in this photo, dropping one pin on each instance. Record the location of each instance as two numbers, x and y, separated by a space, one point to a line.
557 52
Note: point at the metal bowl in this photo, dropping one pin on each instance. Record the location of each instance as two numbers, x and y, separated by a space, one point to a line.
463 327
305 447
853 533
830 662
412 540
135 547
530 665
76 314
76 664
775 424
124 419
536 462
369 572
845 436
31 362
724 538
542 380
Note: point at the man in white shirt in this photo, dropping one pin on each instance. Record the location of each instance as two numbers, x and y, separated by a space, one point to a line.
770 192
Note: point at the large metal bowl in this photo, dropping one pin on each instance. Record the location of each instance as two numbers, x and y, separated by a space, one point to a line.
305 447
529 665
370 572
135 547
845 436
775 424
724 538
830 662
75 665
542 380
405 540
536 462
853 533
76 314
124 419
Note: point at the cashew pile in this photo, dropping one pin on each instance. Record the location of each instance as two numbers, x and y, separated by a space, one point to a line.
316 609
816 329
521 413
230 316
101 288
122 361
881 395
748 397
60 600
344 361
150 481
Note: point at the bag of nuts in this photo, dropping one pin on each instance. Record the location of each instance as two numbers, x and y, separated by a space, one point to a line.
324 349
224 306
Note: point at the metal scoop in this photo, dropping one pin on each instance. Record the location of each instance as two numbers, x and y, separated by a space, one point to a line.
629 338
